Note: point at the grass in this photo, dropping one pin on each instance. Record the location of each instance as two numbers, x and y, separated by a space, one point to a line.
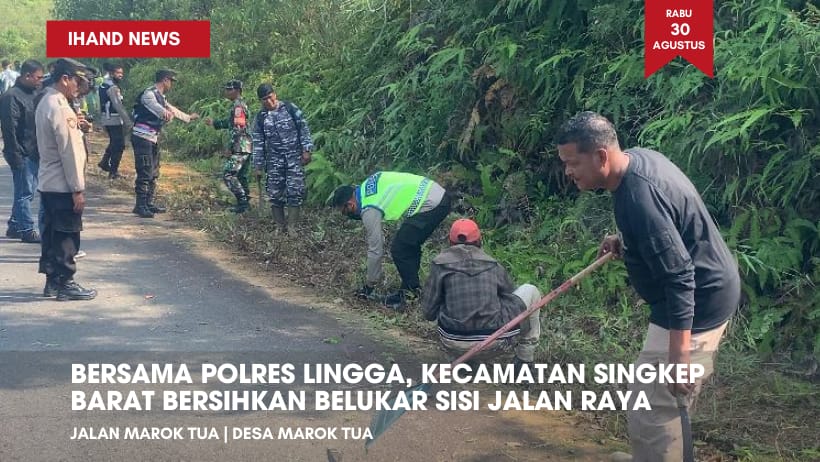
753 411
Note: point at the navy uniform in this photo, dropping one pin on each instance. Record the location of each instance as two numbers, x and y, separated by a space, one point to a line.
282 146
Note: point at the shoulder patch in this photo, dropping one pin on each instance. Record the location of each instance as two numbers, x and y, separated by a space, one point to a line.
371 186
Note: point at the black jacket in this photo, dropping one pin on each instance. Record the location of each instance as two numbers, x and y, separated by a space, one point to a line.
17 122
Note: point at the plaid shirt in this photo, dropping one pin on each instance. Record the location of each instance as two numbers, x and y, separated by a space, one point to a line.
469 293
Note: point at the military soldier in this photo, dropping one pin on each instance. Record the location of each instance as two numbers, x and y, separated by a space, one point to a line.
62 180
235 171
282 145
151 112
115 119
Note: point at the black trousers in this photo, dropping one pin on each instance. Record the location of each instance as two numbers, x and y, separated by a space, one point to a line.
406 247
61 235
116 146
146 163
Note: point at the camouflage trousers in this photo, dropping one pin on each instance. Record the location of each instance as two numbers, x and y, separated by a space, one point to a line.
286 181
235 174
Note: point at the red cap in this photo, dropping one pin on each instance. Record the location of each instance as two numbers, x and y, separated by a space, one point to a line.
464 231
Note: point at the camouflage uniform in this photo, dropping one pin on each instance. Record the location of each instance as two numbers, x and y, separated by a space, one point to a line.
279 138
235 169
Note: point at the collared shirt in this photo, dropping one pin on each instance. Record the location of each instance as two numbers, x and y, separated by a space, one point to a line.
60 142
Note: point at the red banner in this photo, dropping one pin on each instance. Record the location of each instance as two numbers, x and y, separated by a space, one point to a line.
128 39
679 28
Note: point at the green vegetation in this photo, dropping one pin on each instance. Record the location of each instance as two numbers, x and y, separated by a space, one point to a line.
23 29
470 93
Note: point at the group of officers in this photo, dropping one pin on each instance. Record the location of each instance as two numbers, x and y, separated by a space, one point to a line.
674 254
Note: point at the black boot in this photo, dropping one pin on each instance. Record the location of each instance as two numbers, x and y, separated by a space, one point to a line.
70 290
151 206
52 286
141 208
242 205
104 164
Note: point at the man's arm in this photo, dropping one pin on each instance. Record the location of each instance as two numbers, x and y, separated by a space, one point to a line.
662 249
115 98
149 100
374 236
9 120
181 115
69 146
258 135
303 129
433 298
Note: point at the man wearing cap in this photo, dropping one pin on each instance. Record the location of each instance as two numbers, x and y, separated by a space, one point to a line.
62 181
471 296
390 196
20 149
151 112
282 146
240 146
115 119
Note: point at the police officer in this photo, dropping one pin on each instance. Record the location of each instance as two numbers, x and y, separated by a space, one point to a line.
62 180
235 170
115 119
390 196
282 146
151 112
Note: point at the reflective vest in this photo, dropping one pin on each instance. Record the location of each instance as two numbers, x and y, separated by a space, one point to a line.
396 194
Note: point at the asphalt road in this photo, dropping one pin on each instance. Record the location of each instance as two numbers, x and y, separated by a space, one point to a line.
169 296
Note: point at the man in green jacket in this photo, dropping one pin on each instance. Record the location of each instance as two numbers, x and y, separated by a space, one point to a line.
235 171
389 196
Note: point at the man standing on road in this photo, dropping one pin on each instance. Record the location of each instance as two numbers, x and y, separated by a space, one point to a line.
62 181
390 196
115 119
282 147
151 113
20 149
471 296
8 76
240 146
676 260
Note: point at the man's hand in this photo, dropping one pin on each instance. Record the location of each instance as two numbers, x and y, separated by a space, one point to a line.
167 115
79 201
209 121
194 115
679 341
364 293
611 244
306 157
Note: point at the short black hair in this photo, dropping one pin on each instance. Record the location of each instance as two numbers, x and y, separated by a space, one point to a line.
163 74
341 195
589 130
5 63
264 90
30 66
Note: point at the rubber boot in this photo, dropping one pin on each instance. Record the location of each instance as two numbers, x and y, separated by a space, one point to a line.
294 219
279 218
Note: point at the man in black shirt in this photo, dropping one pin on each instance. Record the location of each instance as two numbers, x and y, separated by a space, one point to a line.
676 259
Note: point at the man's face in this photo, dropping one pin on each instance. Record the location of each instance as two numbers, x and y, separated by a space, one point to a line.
269 102
117 75
69 86
585 169
350 210
231 94
33 79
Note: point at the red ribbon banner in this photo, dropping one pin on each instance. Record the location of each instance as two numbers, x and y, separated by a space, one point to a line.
128 39
679 28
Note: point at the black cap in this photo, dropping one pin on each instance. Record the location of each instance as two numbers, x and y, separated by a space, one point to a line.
233 85
72 67
264 90
341 195
163 74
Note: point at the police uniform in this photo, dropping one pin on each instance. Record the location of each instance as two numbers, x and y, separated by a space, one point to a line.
62 173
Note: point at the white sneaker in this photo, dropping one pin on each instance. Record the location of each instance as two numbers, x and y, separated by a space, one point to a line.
79 254
620 457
